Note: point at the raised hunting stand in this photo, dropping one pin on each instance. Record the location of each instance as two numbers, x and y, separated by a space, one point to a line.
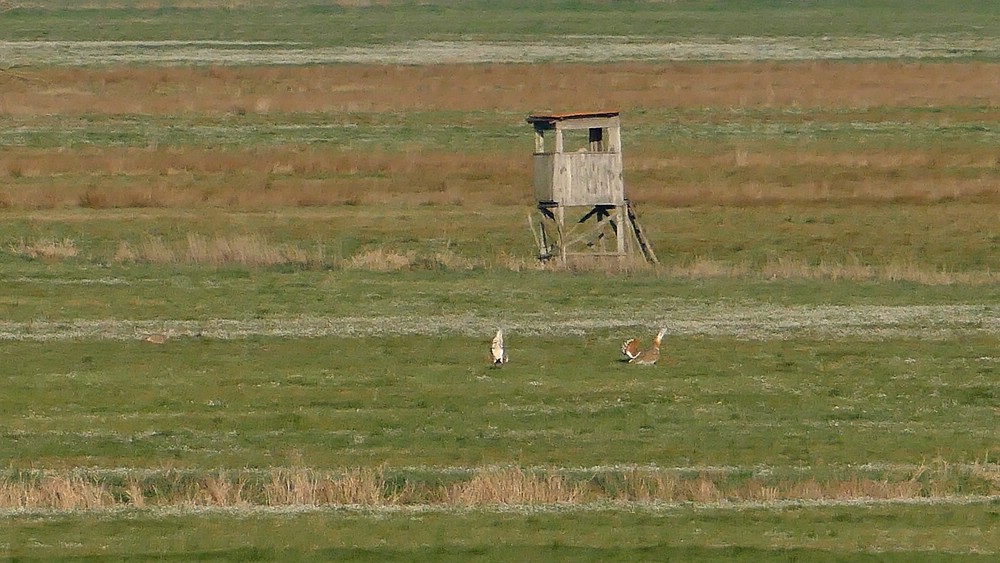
583 178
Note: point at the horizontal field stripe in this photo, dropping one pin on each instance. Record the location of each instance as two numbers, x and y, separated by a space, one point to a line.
251 511
568 49
756 470
741 321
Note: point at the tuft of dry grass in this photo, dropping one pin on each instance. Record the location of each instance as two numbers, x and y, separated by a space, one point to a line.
45 249
305 487
380 260
515 486
133 494
55 492
219 490
383 260
245 250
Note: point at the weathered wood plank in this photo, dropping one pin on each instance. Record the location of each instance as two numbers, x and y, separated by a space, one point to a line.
583 178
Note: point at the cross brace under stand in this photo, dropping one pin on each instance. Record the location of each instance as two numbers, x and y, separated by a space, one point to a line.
558 241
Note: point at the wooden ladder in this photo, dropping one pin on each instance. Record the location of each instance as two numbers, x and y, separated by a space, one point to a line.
644 245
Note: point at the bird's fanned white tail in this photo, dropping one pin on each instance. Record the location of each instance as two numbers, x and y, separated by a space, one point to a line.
498 353
633 354
630 349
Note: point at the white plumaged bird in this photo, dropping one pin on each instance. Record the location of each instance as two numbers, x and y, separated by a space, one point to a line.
633 353
498 354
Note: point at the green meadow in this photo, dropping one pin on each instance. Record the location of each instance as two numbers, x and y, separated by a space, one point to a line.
355 22
249 284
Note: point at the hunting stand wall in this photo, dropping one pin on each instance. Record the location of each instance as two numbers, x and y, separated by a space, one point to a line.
578 172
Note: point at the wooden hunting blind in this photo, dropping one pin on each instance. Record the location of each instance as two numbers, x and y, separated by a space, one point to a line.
578 170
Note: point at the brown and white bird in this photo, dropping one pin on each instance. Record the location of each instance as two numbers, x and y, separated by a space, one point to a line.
633 353
157 338
498 354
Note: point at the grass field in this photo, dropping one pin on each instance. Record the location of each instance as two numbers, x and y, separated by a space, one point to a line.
325 229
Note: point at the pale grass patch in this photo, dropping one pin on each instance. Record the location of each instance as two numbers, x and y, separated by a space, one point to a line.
55 492
45 249
742 158
701 490
809 489
152 250
706 268
252 250
134 493
852 269
219 490
763 493
599 264
514 486
303 486
450 260
856 487
640 485
244 250
515 263
386 260
380 260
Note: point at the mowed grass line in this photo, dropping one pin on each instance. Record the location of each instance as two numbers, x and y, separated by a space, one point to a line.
742 320
466 51
417 400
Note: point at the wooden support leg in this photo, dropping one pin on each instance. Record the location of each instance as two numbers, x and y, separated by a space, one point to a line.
561 229
620 232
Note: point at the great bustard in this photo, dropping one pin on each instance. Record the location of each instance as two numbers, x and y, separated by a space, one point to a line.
498 354
634 354
154 337
157 338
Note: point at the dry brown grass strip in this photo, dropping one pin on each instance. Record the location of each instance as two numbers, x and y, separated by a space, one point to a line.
56 492
357 486
244 250
515 486
259 178
389 88
219 490
268 178
486 487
